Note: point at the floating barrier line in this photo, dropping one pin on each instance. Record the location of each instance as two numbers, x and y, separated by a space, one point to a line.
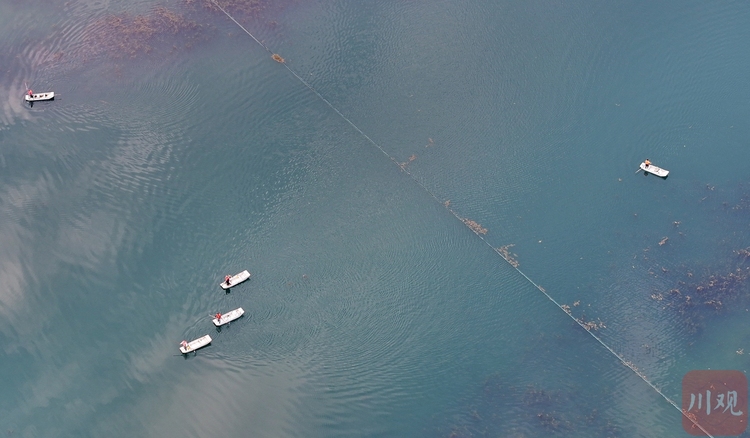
330 105
496 250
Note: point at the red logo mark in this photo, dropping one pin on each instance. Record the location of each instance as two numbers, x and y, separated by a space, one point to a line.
715 401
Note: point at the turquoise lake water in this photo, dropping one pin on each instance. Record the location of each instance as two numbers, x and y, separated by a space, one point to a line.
177 151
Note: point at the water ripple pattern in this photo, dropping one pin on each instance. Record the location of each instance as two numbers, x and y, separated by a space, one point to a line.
179 156
477 231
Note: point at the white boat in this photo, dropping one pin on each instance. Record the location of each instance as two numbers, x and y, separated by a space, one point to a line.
234 281
228 317
187 347
658 171
39 96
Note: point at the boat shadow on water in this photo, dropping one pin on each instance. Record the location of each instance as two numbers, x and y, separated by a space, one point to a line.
31 102
191 354
657 176
228 325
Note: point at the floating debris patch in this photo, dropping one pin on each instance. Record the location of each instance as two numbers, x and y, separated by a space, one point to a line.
407 162
126 36
475 227
536 410
244 8
710 294
582 321
590 325
505 253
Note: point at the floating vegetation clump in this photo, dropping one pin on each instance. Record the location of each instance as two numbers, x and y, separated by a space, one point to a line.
591 325
406 163
244 8
712 293
582 321
505 253
126 36
475 227
515 410
743 201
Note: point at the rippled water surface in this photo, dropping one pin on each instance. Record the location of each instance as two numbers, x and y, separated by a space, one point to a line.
435 200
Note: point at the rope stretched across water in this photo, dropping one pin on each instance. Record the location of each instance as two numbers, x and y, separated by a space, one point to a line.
498 251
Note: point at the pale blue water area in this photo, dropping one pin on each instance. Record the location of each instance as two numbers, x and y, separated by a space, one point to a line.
177 151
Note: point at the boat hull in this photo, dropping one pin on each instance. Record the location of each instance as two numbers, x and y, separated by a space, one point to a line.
234 281
228 317
40 96
196 344
658 171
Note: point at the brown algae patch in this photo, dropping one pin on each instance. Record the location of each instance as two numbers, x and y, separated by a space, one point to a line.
243 8
126 36
505 253
695 298
474 226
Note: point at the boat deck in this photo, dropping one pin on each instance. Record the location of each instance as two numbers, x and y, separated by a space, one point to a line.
235 280
40 96
658 171
195 344
228 317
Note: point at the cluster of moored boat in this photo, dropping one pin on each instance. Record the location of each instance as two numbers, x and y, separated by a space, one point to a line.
220 318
